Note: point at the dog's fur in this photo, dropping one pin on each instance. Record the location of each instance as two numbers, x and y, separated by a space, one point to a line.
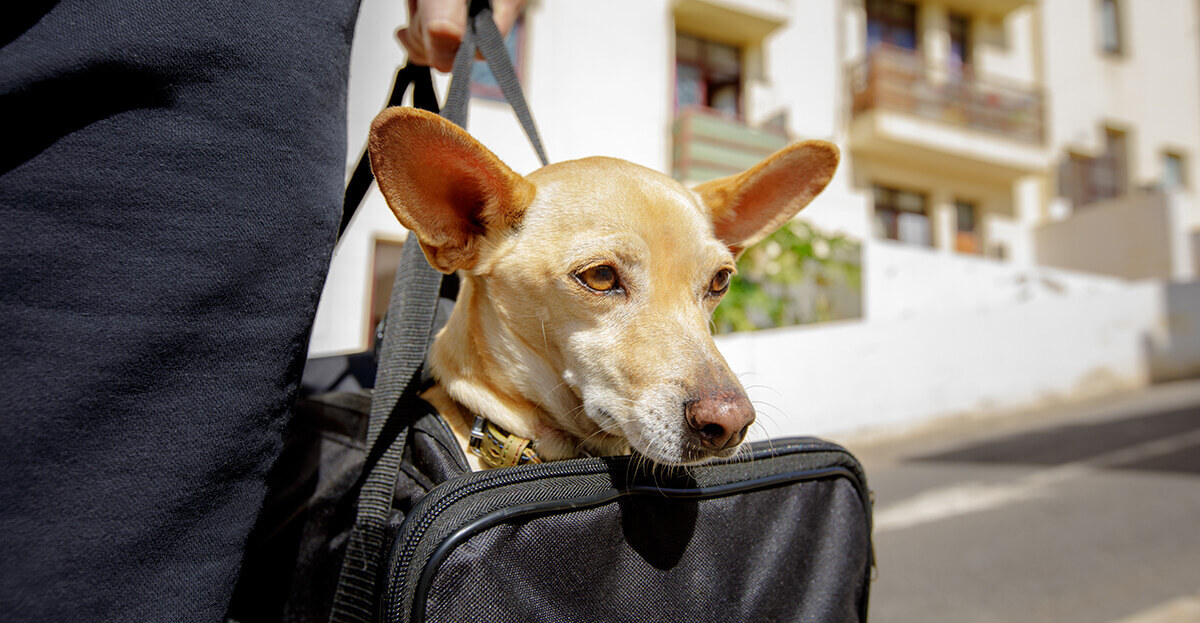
582 322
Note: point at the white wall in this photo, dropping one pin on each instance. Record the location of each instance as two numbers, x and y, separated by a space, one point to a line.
804 71
1152 90
1007 48
1140 236
847 378
1175 351
902 281
599 79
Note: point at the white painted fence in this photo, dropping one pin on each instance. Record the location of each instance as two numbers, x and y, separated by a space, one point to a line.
838 379
903 281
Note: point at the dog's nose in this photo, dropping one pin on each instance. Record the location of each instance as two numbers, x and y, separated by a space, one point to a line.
720 420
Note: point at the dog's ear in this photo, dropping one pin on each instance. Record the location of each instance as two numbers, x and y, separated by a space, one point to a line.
747 207
443 185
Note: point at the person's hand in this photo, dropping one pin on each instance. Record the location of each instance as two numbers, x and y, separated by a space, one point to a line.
435 28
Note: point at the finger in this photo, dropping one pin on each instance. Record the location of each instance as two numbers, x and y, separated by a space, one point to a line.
506 13
442 25
412 44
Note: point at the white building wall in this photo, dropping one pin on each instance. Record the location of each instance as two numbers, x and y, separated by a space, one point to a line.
1006 48
1151 90
804 70
600 79
903 281
846 378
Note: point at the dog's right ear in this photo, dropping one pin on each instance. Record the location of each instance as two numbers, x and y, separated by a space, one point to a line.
443 185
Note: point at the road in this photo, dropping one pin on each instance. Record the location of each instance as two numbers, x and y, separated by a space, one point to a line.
1088 514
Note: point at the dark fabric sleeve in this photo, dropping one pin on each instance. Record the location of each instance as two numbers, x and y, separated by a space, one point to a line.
170 187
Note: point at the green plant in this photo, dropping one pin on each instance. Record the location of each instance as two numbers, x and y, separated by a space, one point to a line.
796 275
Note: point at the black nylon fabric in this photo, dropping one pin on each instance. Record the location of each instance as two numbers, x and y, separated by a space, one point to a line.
781 554
171 176
293 561
783 532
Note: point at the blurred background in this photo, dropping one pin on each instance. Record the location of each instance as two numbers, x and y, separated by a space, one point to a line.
995 302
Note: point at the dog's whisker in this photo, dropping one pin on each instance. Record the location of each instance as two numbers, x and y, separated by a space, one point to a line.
761 405
768 388
767 433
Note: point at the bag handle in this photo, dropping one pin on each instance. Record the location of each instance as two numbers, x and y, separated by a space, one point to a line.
456 107
406 338
424 98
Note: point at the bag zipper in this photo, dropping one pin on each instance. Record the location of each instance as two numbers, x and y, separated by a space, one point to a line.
588 467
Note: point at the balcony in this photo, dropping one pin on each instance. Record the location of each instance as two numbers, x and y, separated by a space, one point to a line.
709 145
902 111
993 8
738 22
1139 235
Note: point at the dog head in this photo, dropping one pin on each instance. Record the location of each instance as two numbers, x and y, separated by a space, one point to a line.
588 286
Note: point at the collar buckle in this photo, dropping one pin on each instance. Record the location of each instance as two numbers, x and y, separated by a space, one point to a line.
498 447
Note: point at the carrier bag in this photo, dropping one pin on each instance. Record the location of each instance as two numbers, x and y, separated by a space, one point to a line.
372 514
780 534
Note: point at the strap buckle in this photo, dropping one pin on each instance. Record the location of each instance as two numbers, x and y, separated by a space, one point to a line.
476 442
497 447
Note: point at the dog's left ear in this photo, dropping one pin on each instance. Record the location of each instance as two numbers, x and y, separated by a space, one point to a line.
747 207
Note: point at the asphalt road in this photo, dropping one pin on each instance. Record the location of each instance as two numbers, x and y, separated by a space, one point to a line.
1086 514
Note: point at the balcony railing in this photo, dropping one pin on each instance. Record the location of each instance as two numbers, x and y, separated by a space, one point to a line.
896 79
710 145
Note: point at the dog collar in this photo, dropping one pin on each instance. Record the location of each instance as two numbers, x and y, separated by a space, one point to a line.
497 447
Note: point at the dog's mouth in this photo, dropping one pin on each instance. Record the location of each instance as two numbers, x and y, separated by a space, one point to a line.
673 441
685 454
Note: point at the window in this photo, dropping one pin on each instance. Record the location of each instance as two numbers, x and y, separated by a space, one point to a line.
1110 26
1173 172
483 83
891 22
967 232
1086 180
902 215
960 44
1109 175
708 74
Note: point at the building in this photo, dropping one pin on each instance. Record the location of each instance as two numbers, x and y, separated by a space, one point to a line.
995 152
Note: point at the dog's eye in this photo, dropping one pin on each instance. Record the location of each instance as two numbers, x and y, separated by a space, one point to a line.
601 278
720 282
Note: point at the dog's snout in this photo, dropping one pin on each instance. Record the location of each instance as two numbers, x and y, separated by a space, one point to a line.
720 420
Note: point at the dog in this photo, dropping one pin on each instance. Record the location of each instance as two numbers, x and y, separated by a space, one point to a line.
582 325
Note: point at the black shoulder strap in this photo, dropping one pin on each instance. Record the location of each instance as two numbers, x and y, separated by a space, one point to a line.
406 338
416 76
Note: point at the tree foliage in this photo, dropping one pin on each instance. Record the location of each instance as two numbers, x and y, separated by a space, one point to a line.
796 275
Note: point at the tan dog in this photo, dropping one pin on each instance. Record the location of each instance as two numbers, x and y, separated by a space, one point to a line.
582 322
